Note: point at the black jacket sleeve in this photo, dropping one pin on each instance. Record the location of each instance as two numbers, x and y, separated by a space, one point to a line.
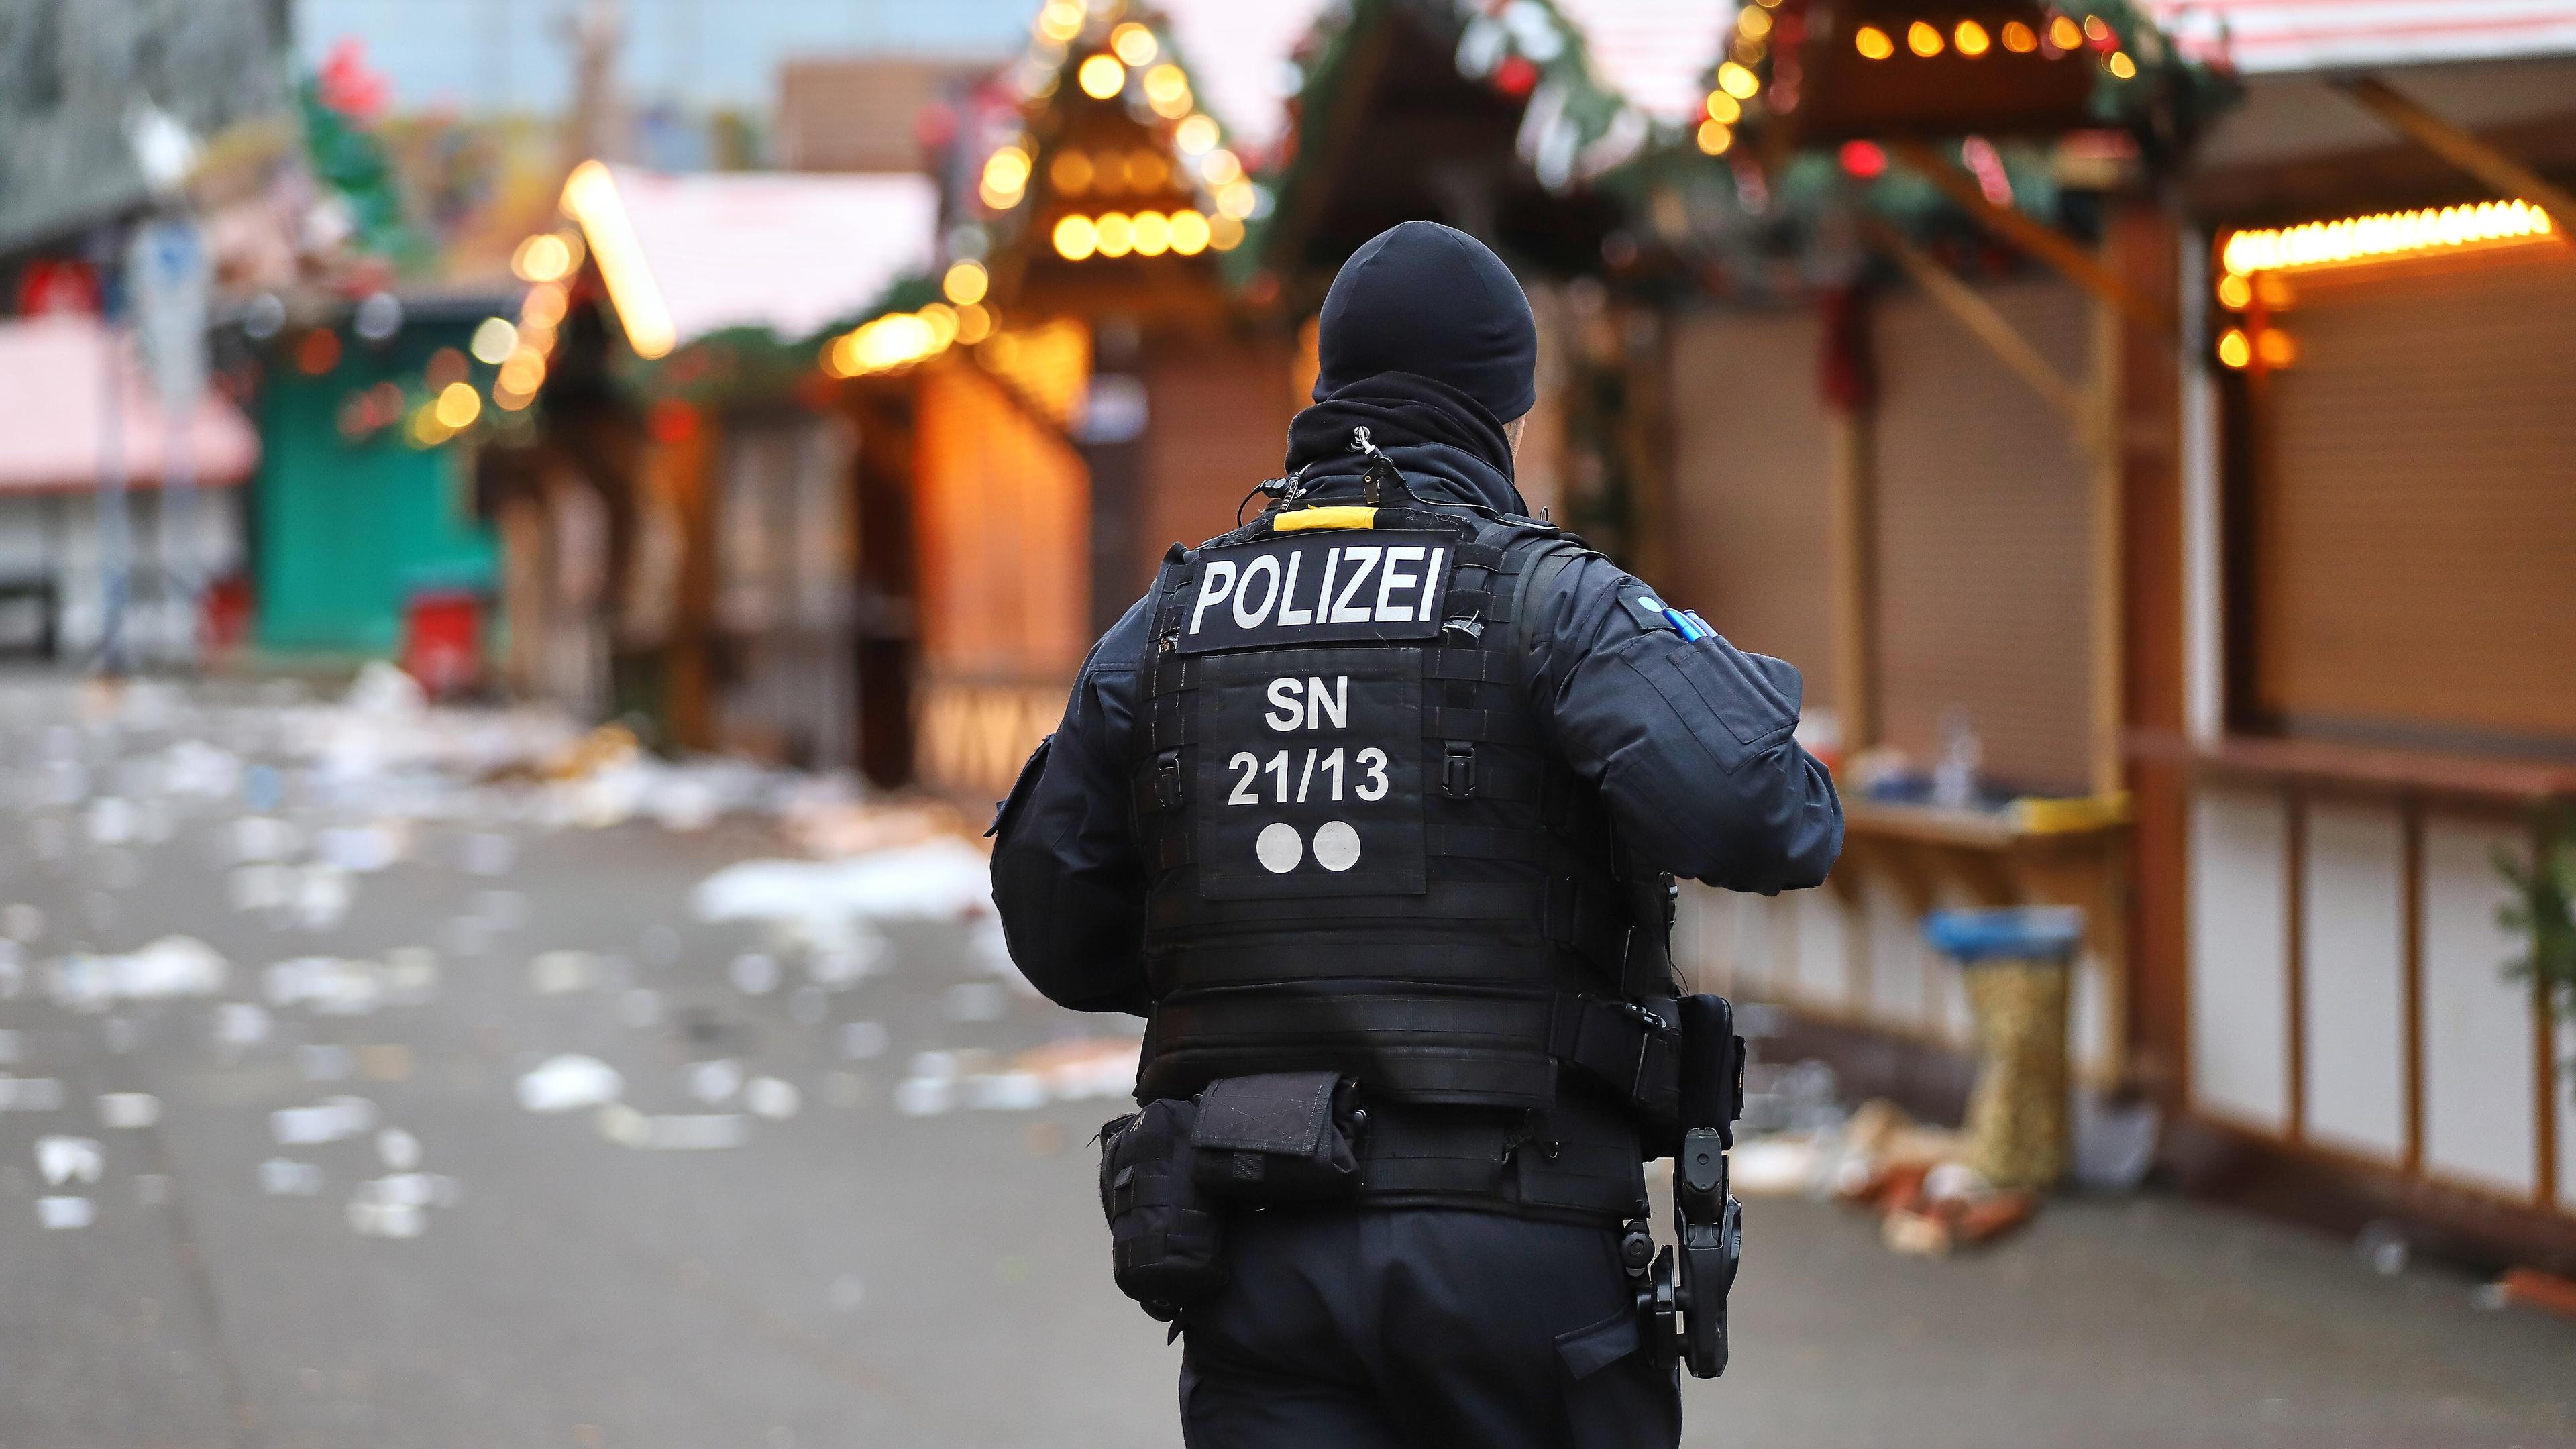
1066 874
1690 742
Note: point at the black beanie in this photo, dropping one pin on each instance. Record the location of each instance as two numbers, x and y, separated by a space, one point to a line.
1431 300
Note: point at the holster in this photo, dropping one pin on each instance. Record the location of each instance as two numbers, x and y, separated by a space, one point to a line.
1686 1317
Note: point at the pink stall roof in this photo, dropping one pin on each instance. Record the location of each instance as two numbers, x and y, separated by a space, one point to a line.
787 252
2263 37
53 401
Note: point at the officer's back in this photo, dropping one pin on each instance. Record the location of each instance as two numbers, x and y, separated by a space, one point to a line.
1371 808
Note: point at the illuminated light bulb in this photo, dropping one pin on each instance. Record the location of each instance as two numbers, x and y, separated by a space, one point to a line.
1006 178
1060 21
544 257
1219 167
942 321
1134 44
1075 238
1971 39
1872 43
494 340
2276 348
426 430
1069 173
974 324
511 402
1101 77
2234 292
1754 22
543 307
1196 136
1225 233
1238 200
965 282
2120 66
2233 349
2020 39
1189 233
1923 39
1153 233
2097 30
1147 171
2065 33
842 359
1168 91
1724 108
522 372
458 404
1738 81
1715 137
1114 234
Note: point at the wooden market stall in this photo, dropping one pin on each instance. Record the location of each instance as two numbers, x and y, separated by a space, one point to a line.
2366 721
1927 516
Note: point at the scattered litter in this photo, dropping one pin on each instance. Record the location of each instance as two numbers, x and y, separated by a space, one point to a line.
240 1024
565 1082
331 1121
2532 1288
639 1008
128 1110
753 974
66 1212
325 985
398 1149
173 966
681 1132
863 1040
21 922
361 849
319 1062
555 973
2382 1245
713 1082
69 1159
30 1094
827 904
771 1098
283 1177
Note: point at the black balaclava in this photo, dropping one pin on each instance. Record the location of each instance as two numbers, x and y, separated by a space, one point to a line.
1433 301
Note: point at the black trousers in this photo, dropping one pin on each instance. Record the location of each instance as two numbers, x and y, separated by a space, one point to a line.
1374 1329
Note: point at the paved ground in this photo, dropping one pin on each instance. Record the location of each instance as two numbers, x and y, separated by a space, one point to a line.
857 1274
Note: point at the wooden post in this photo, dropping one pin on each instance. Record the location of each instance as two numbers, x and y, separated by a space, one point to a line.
2099 440
1855 579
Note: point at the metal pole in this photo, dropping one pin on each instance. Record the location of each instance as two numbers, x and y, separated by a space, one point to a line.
115 537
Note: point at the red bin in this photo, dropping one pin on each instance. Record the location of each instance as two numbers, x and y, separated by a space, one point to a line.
443 640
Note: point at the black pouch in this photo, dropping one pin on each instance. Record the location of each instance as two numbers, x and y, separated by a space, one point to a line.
1164 1244
1288 1137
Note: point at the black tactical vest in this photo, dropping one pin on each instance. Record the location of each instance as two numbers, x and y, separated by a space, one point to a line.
1362 856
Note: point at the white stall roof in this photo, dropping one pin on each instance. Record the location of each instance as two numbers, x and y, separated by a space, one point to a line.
791 253
2265 37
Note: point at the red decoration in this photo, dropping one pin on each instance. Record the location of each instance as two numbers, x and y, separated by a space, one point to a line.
348 86
57 285
317 352
1864 159
673 421
1515 76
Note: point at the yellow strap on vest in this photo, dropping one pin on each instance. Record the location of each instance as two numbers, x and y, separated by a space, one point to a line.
1300 519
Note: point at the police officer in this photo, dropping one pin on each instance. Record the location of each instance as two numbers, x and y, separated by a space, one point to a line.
1372 808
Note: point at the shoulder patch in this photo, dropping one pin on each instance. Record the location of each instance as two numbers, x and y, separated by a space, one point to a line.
1648 608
